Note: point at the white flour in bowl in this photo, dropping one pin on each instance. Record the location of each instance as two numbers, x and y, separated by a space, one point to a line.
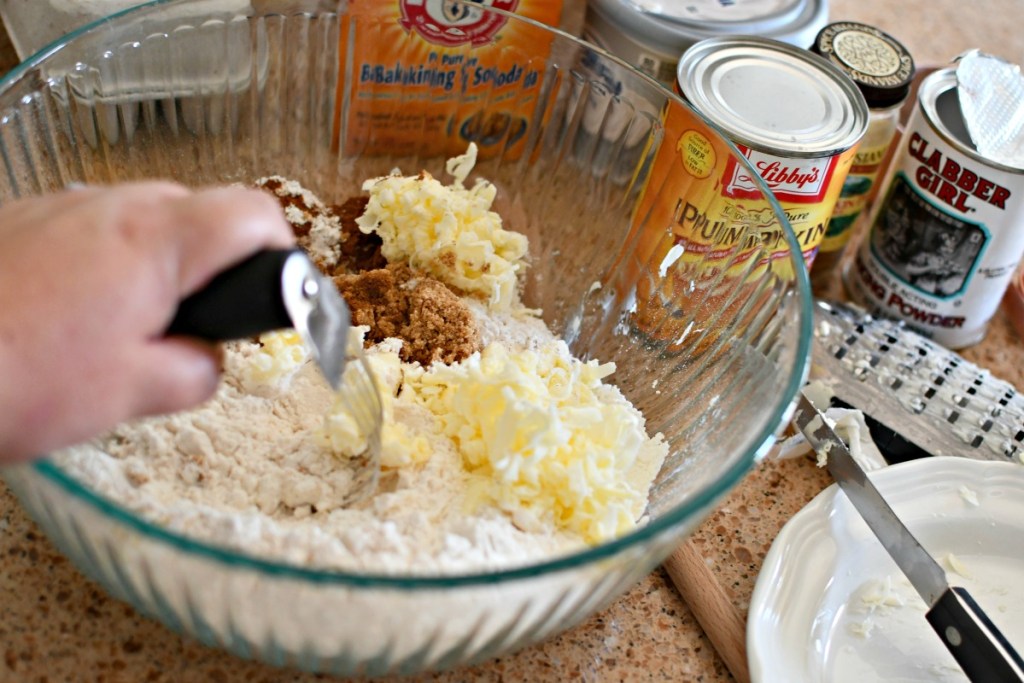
512 455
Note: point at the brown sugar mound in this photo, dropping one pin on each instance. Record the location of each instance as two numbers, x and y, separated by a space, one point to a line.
434 324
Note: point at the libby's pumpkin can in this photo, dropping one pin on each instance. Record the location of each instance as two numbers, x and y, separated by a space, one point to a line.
797 118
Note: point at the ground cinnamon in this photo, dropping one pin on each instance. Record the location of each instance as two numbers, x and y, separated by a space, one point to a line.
359 251
353 252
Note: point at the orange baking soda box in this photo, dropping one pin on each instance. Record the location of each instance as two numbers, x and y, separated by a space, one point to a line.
429 76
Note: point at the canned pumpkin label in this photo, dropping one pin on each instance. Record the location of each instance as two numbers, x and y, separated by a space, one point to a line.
797 181
430 76
703 226
712 206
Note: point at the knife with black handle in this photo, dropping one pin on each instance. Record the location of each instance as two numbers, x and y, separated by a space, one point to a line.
977 644
981 650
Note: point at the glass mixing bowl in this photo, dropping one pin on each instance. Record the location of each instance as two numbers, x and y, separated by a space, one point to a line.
711 343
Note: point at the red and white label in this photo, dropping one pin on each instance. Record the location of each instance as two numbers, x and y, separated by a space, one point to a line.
803 181
444 22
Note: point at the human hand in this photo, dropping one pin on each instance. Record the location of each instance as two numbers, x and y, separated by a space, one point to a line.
89 281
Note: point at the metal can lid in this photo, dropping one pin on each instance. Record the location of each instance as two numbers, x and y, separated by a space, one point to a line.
710 12
672 26
878 63
941 106
773 97
940 103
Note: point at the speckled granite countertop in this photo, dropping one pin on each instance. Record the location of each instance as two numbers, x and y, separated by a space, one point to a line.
57 626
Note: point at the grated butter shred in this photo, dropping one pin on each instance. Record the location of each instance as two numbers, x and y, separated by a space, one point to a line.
447 231
547 441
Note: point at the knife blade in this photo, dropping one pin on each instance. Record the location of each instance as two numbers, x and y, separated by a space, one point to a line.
978 646
271 290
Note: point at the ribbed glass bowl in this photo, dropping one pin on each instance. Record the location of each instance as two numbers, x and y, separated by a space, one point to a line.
711 347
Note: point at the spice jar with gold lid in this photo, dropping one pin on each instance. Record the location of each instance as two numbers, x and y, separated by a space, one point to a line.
882 68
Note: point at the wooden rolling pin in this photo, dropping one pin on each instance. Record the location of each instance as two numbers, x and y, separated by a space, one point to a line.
711 606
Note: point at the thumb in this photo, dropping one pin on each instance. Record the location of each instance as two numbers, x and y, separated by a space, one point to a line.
176 373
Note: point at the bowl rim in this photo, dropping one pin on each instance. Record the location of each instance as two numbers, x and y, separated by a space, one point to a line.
703 498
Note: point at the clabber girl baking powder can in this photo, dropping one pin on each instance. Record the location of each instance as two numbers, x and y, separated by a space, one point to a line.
795 116
949 232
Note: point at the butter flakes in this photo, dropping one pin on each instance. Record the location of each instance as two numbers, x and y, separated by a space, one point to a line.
545 438
447 231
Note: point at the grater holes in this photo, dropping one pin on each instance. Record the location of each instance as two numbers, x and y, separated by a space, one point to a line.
1020 435
896 383
954 415
841 353
987 426
977 441
972 390
874 360
929 392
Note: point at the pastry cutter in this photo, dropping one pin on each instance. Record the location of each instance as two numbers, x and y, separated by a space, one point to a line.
278 289
978 646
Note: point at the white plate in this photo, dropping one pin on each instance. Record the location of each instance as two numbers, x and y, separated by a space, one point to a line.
811 617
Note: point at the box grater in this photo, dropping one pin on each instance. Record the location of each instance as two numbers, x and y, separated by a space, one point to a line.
918 397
